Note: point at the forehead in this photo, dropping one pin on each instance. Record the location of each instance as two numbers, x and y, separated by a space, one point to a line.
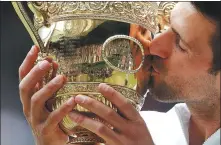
190 24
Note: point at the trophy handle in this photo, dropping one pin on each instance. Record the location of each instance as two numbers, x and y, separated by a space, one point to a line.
127 38
26 20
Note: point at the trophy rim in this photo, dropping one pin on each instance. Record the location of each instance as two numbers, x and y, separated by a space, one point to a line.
148 21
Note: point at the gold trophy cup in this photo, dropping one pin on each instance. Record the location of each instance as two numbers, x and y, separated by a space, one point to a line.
91 43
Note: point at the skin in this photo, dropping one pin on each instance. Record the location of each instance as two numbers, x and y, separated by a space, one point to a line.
195 86
143 75
181 75
43 123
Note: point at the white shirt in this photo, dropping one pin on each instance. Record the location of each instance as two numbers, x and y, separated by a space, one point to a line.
171 128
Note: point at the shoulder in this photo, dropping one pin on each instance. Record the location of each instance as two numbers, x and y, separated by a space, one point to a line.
166 127
152 115
177 110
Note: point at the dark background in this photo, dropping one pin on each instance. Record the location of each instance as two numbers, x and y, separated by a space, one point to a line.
15 43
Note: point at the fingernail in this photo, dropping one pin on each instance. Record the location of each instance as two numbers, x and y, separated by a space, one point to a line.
80 99
58 80
43 65
103 86
70 101
49 59
32 51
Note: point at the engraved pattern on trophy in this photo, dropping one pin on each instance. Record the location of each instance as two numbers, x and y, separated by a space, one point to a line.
142 13
163 18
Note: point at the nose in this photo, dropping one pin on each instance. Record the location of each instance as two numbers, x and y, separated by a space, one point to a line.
161 45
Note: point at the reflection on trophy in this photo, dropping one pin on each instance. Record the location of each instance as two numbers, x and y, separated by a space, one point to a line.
91 43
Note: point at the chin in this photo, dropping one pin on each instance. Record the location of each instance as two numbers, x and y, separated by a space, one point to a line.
162 92
163 98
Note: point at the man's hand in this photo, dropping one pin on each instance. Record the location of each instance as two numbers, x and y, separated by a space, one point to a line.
130 130
143 75
34 96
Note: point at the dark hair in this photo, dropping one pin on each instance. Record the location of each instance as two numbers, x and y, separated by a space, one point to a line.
212 10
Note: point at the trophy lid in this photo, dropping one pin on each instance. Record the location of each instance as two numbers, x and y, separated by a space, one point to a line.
150 15
141 13
46 13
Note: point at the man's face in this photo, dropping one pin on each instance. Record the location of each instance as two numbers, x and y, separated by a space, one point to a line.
183 57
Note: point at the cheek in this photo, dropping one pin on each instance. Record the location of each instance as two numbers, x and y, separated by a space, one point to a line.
192 87
182 87
179 73
186 65
202 63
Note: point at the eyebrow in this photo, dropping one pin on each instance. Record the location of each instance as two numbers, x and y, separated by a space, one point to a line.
185 43
175 31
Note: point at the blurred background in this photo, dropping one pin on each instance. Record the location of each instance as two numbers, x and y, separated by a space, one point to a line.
15 43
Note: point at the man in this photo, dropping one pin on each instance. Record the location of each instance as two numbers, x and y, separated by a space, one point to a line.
186 68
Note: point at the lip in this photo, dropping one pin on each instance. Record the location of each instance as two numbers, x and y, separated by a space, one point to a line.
153 71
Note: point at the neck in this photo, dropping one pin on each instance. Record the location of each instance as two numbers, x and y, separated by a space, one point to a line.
205 118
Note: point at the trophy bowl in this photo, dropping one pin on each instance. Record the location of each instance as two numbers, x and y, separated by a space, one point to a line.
92 44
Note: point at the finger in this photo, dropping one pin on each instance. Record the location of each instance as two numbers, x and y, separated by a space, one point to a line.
38 86
40 83
28 62
96 127
147 35
142 30
28 83
119 101
34 76
133 32
134 29
101 110
57 115
50 101
144 41
55 69
39 99
48 58
52 75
